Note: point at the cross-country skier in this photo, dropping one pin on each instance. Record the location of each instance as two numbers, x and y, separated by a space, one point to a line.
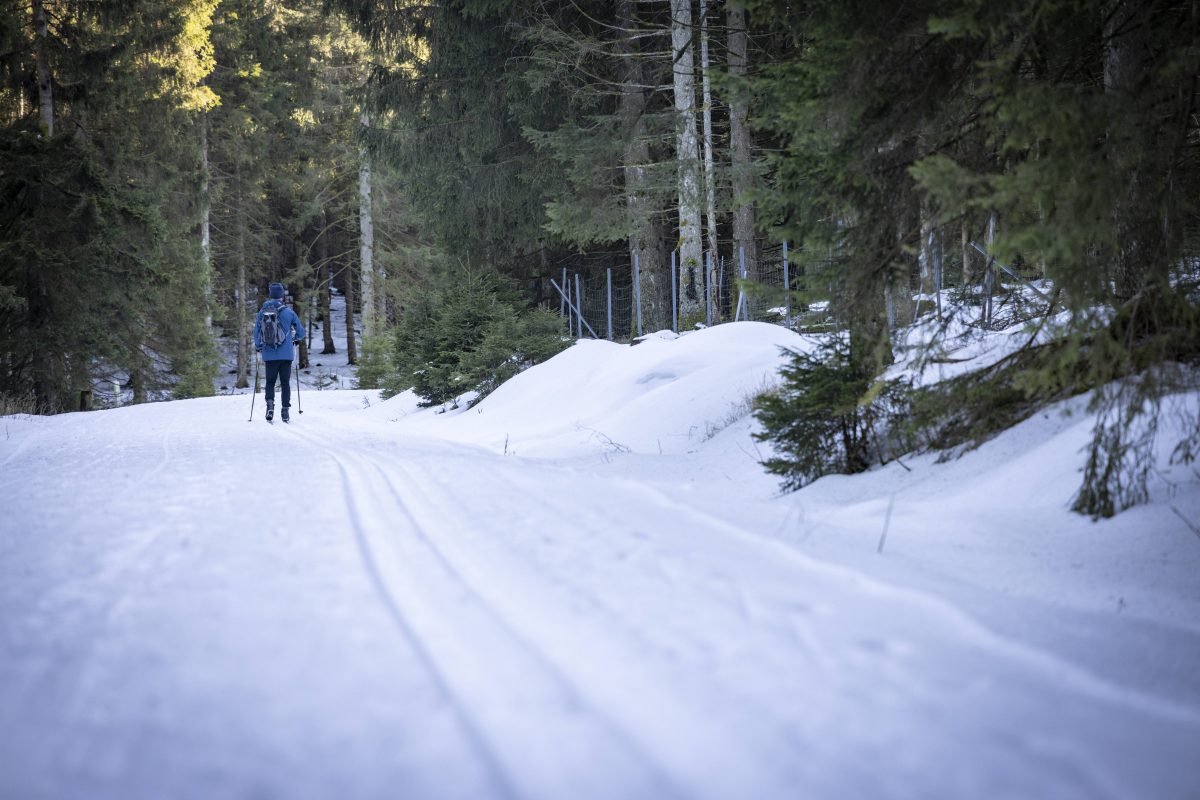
275 328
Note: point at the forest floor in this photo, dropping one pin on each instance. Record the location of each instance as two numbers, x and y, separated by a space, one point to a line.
586 587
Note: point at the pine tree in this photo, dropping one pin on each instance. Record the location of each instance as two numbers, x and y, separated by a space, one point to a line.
97 234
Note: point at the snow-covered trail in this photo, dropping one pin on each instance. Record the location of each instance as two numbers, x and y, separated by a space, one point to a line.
198 606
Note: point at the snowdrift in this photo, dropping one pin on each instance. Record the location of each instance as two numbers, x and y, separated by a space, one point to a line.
663 395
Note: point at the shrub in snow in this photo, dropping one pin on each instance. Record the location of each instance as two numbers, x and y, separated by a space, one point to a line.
830 415
470 333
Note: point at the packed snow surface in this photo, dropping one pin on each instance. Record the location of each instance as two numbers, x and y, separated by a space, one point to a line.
582 587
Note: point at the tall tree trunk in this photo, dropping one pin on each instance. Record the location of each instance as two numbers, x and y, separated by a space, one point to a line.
351 348
710 174
298 302
926 255
243 316
1126 52
205 223
740 143
688 160
645 238
137 382
44 81
968 274
326 278
366 238
989 269
45 389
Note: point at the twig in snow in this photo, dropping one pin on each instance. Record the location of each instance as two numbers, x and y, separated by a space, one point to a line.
886 521
1186 521
614 446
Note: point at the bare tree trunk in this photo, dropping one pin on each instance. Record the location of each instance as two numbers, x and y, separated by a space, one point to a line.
44 81
710 174
926 255
967 272
740 142
366 238
688 159
326 279
243 317
138 383
205 223
351 348
298 302
1125 54
989 270
645 238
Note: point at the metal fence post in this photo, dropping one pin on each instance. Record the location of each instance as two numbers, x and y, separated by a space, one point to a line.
579 295
787 286
674 300
637 292
562 302
708 295
742 301
610 333
941 267
566 285
721 281
559 289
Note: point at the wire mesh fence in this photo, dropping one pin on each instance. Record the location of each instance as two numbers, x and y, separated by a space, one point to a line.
606 304
775 287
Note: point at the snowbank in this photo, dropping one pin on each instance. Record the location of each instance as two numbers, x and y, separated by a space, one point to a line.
663 395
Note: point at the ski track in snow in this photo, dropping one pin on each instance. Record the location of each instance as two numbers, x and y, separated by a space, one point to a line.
584 734
395 615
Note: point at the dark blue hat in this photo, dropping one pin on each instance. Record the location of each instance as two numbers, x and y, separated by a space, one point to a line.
276 291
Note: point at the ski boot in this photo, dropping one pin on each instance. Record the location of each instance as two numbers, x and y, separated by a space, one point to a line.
283 415
270 412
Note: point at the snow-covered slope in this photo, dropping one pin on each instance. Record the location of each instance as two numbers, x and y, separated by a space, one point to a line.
582 587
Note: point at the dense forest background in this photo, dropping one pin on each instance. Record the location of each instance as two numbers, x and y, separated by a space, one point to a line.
162 160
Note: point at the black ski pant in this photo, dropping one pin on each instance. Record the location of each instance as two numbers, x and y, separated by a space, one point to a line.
283 371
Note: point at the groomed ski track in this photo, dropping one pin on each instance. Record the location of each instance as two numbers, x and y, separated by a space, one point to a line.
321 609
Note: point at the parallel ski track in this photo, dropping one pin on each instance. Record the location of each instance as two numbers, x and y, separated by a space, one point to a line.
760 763
668 572
358 465
1078 680
475 736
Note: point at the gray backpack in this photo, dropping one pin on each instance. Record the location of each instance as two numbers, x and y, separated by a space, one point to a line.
273 333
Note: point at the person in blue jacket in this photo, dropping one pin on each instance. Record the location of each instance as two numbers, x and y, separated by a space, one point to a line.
279 358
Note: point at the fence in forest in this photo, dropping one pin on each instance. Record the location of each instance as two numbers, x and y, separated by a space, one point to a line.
608 306
771 289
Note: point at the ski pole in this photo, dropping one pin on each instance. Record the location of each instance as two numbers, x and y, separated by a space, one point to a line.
299 405
254 390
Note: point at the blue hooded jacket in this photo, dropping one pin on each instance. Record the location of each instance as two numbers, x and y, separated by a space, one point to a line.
291 325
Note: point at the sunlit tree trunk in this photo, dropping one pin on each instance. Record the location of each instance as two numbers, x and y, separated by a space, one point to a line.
688 160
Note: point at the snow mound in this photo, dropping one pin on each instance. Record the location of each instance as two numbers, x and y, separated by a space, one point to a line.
662 395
